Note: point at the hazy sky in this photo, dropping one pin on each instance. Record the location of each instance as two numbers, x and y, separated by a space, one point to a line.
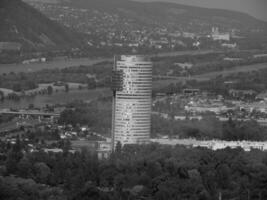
256 8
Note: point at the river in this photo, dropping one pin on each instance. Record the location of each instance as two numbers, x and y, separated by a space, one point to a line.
65 63
62 97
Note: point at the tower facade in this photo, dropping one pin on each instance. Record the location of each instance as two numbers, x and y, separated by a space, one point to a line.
132 96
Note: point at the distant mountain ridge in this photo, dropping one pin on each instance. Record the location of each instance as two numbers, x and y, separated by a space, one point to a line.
23 24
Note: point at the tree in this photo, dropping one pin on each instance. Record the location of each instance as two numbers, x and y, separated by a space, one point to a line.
31 106
42 172
67 88
2 96
66 146
30 84
118 147
14 156
24 168
49 89
17 87
119 182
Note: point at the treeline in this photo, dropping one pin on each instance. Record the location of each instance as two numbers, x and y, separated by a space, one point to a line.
209 128
224 65
97 115
98 76
136 172
204 63
253 80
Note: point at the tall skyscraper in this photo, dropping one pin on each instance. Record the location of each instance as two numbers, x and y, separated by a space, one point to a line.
132 96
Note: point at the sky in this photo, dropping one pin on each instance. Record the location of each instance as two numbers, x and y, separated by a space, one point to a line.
256 8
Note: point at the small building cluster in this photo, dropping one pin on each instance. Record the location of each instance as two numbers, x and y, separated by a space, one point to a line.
214 144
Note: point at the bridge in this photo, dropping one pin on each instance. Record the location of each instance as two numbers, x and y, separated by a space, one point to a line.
29 113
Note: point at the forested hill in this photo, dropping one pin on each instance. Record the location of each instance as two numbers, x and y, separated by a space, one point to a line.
23 24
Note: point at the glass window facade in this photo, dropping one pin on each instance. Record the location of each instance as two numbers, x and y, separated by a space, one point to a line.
131 120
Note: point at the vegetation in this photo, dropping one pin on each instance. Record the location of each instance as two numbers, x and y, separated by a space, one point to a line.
251 80
209 128
202 64
96 115
33 30
135 172
176 14
98 75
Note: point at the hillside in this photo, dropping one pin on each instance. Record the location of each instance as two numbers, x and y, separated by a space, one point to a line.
22 24
110 27
144 27
171 14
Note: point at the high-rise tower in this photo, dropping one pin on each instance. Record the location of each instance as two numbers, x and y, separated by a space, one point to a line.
132 91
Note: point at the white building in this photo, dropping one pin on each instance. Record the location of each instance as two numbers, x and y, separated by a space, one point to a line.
221 36
229 45
132 91
185 65
213 144
216 35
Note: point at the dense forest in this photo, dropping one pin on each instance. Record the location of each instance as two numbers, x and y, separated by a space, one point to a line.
134 172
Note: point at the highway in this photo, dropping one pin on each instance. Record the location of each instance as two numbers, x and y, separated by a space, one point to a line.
45 114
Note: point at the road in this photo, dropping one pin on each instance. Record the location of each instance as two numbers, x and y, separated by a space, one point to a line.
30 113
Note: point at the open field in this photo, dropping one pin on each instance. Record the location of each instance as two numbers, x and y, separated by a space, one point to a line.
210 75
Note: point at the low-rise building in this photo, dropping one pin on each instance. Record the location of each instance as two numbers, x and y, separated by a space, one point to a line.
214 144
217 36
